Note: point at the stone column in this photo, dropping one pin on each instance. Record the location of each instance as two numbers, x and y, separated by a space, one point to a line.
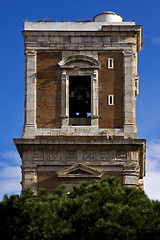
65 99
30 94
29 179
94 99
129 96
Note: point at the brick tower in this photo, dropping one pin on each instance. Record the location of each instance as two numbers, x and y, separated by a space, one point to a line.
81 83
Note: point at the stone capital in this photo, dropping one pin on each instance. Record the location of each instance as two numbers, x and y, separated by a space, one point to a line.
30 52
127 53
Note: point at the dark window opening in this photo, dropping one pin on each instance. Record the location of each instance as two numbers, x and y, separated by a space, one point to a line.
111 63
80 100
111 102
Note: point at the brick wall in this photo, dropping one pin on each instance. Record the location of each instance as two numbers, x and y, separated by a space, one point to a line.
48 180
48 90
111 83
117 174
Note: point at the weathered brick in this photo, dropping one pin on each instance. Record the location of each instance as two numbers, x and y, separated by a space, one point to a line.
111 83
48 90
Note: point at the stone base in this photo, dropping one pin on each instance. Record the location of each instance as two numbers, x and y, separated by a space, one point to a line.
49 162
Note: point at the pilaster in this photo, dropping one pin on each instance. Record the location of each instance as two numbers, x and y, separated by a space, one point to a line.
65 99
130 177
30 94
94 102
29 179
129 96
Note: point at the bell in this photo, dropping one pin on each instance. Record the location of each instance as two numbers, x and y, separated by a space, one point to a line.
80 95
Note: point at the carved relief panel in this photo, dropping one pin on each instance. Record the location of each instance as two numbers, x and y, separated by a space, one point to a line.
54 156
121 155
88 155
38 155
71 157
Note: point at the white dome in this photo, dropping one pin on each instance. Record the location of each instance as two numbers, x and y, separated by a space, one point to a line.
108 17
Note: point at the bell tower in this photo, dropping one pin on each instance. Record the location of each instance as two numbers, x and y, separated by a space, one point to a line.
81 83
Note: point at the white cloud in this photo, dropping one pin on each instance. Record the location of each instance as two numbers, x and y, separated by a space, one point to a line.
10 154
10 178
153 149
9 187
152 185
152 179
10 172
3 164
9 157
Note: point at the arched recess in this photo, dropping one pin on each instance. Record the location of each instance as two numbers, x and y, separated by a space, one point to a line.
79 76
81 61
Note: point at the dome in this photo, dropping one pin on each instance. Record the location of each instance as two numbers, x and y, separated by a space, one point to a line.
108 17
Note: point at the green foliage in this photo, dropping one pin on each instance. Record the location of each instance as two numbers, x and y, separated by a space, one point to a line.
102 210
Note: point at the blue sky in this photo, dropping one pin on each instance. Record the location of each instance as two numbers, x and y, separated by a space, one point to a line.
12 16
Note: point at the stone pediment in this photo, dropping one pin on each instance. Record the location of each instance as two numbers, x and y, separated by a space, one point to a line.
79 170
79 61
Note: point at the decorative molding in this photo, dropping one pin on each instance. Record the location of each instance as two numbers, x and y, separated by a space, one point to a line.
54 155
30 52
128 53
74 62
88 155
79 171
38 155
71 155
121 155
95 75
104 155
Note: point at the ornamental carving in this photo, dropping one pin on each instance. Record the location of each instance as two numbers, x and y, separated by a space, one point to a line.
71 155
121 155
104 155
30 52
38 155
88 155
80 61
54 155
